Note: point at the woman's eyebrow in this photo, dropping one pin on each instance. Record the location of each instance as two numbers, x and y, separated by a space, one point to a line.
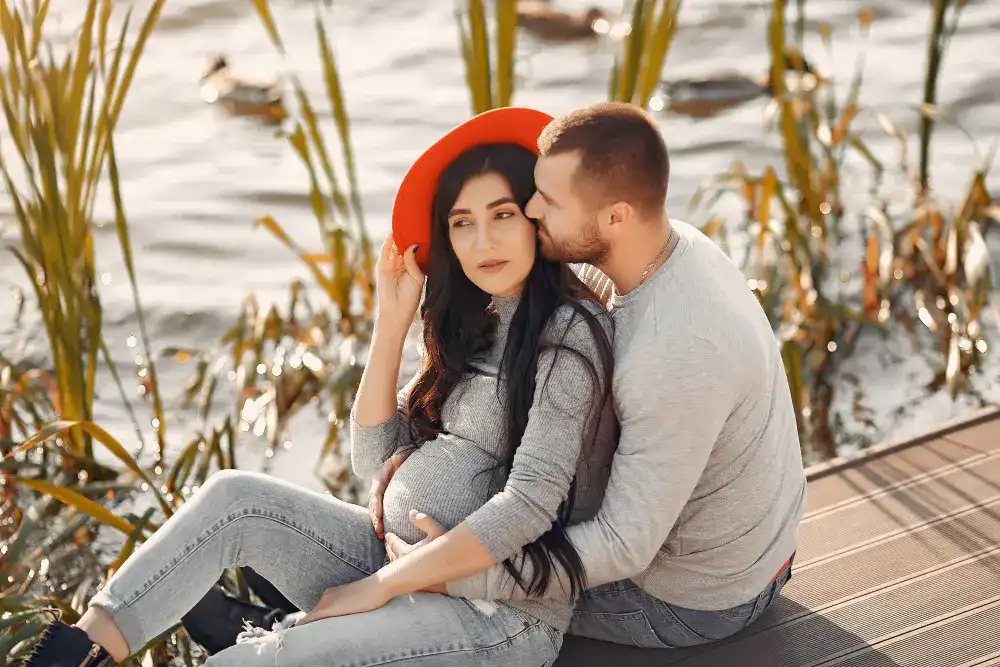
501 201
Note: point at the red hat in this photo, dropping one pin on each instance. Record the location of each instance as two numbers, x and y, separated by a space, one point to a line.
411 212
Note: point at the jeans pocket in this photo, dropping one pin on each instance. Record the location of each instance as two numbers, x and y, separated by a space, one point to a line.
635 626
744 612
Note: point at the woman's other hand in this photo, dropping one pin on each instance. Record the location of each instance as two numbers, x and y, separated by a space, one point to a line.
379 484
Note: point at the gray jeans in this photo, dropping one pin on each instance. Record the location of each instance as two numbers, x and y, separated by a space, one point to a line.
305 542
623 613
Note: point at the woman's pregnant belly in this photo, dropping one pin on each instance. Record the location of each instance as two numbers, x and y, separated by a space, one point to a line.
447 479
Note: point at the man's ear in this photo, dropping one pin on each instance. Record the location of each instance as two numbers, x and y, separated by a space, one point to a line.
619 213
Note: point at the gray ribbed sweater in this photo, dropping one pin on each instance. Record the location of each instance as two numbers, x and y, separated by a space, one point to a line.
459 475
707 487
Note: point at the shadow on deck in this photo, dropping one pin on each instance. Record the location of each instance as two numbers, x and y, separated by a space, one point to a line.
898 564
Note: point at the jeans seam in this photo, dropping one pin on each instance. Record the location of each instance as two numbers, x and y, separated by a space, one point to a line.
213 531
649 630
680 624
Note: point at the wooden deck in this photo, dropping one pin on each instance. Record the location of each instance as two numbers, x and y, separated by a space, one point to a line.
898 564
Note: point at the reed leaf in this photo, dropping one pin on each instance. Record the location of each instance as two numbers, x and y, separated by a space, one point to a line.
272 226
938 39
506 46
490 84
656 50
125 244
77 501
264 13
106 439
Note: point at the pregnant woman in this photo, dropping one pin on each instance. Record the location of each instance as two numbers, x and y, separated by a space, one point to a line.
510 417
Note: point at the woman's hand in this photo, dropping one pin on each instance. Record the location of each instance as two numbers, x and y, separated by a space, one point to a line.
354 598
399 284
379 483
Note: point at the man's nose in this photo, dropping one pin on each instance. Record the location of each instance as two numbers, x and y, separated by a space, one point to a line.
533 209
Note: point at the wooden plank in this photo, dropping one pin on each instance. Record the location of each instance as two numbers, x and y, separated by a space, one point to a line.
848 525
882 473
891 613
984 437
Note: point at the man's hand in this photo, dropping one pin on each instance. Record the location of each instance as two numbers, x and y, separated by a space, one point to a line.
379 483
372 592
354 598
397 547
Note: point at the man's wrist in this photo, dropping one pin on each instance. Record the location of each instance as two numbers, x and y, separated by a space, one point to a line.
390 580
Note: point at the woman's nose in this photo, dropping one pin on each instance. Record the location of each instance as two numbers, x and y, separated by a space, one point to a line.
484 240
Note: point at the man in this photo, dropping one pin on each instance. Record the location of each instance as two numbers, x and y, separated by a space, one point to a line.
697 530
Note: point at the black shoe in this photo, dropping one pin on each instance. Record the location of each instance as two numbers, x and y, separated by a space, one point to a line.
218 619
68 646
267 592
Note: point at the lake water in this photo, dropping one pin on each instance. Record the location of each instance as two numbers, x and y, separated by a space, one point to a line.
195 179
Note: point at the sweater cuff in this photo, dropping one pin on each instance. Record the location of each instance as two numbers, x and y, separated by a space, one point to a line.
501 526
371 446
472 587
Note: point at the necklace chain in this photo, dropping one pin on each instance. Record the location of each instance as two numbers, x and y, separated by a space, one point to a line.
649 267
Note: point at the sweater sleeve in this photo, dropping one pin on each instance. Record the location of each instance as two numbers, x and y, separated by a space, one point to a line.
371 446
565 397
671 414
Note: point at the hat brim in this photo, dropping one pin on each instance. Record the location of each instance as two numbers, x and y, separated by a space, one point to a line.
411 210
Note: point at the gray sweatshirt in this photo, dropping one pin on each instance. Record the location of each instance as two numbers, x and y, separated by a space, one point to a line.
459 475
707 486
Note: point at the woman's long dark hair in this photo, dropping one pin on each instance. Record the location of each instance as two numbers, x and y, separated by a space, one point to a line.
458 325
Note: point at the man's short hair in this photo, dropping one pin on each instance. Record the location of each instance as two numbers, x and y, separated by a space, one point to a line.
623 156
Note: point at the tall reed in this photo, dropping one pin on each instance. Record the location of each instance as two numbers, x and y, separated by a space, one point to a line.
638 65
61 113
940 36
489 78
60 110
347 246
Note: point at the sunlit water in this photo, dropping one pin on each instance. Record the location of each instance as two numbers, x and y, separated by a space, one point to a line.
194 180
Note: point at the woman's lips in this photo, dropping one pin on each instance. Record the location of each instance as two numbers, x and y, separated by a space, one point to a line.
493 266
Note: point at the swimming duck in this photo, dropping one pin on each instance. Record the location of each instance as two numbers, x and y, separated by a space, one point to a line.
709 96
241 97
537 18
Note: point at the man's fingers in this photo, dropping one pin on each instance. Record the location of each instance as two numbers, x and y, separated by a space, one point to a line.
426 524
390 547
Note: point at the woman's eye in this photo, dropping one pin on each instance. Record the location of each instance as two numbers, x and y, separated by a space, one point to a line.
460 223
503 215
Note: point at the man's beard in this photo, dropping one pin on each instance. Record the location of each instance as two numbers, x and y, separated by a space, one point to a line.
588 248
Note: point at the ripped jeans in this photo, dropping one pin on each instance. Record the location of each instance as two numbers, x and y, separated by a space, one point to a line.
305 542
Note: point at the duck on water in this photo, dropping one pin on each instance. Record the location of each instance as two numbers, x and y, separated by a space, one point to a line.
241 97
704 97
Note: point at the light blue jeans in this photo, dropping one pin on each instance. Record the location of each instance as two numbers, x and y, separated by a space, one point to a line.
305 542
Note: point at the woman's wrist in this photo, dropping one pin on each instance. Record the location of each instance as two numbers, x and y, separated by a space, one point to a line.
390 336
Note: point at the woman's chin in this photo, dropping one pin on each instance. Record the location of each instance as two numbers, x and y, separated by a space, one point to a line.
499 285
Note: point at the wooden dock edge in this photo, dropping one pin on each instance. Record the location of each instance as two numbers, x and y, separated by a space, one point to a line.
968 420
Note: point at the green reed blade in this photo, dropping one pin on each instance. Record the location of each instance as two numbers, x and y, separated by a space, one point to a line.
506 47
264 12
